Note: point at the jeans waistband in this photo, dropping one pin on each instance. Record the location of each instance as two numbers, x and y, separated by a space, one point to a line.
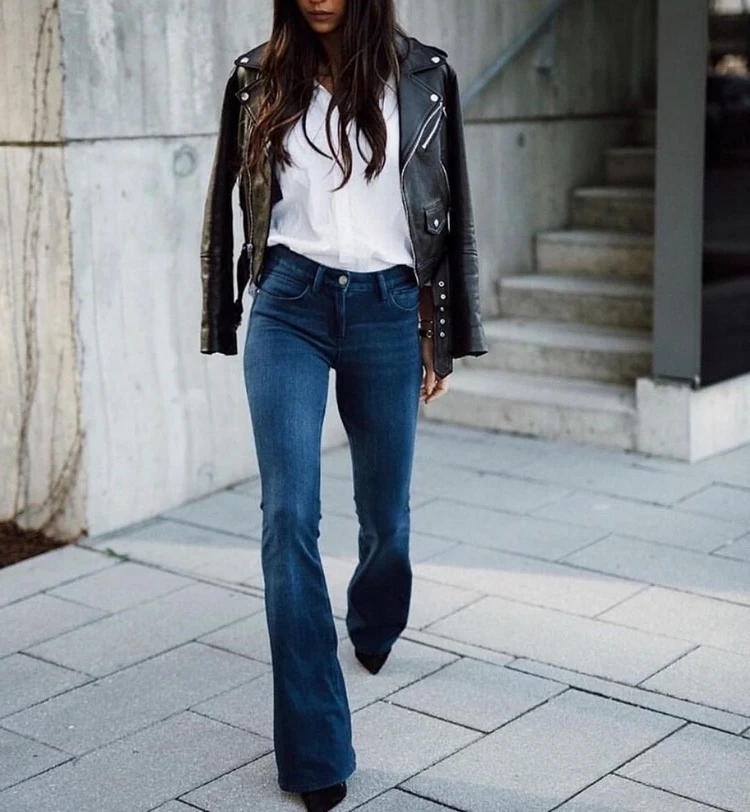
284 258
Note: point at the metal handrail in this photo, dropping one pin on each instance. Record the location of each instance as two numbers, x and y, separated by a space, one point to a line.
537 26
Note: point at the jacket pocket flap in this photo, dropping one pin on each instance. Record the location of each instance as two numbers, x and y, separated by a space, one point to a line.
434 217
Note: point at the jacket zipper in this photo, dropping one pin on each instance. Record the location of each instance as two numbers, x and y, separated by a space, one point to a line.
447 182
429 138
271 170
403 195
250 246
408 225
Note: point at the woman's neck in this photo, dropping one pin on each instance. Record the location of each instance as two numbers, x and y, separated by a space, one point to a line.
332 43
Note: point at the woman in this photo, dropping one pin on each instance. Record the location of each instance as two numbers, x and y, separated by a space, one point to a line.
347 140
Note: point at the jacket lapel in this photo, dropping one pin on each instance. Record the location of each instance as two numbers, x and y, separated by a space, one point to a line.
415 95
416 98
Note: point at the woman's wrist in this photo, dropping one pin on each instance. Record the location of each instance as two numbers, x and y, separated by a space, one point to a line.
426 306
425 329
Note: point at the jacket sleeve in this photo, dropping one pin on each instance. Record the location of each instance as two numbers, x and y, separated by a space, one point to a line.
219 321
468 333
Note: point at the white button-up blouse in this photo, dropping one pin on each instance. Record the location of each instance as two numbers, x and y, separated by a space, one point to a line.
360 227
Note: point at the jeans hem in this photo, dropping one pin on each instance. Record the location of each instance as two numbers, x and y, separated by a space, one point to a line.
286 787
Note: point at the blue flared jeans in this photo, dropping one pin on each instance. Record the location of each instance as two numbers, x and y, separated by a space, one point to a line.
306 319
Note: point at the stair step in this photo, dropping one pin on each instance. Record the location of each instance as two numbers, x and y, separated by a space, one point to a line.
614 208
615 254
645 128
631 166
539 405
580 351
577 299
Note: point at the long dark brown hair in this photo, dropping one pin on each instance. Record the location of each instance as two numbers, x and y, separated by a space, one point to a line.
290 65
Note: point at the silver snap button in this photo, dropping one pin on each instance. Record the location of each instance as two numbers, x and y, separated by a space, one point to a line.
442 296
442 335
434 97
441 283
244 96
244 60
342 280
436 222
436 59
442 321
442 308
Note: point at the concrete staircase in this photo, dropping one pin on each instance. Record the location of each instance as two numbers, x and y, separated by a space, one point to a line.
573 336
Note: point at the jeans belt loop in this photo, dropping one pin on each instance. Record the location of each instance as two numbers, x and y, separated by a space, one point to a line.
318 280
382 286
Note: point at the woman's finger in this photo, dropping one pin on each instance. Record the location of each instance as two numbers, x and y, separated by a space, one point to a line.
440 388
429 380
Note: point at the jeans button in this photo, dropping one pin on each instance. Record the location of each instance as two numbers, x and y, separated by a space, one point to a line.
342 280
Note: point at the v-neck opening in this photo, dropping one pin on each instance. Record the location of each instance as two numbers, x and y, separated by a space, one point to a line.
324 88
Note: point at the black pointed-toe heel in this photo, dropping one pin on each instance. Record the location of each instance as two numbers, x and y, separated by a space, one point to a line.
372 662
321 800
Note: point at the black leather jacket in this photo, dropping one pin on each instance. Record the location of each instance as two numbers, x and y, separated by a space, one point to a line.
435 190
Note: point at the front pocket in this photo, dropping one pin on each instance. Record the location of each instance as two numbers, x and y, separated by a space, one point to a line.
280 286
404 298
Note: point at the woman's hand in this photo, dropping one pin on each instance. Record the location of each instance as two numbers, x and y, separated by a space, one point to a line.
432 386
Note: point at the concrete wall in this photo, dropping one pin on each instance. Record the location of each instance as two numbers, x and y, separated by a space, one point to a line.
42 480
31 75
164 423
143 81
604 53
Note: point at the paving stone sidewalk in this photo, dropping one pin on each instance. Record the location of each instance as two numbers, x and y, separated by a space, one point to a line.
579 640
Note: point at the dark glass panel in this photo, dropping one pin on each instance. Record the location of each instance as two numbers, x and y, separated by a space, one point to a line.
726 248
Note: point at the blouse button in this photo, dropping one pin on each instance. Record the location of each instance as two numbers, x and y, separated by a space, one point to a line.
441 283
442 296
